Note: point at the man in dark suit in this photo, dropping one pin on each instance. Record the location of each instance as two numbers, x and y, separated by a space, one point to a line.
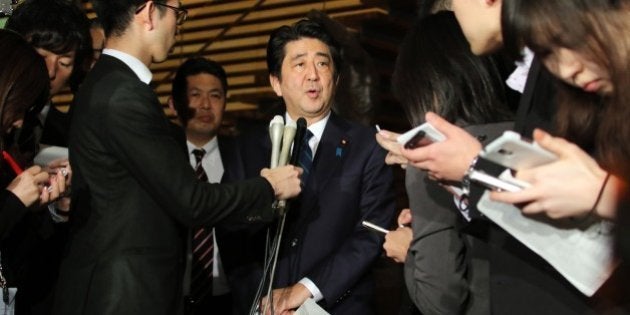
134 192
199 97
325 252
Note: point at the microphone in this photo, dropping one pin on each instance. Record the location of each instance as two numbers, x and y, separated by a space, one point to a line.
276 127
297 141
299 135
287 140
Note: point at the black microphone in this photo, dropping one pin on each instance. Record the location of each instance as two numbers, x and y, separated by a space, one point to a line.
297 140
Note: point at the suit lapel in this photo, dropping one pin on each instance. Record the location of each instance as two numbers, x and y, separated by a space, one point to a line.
331 152
526 102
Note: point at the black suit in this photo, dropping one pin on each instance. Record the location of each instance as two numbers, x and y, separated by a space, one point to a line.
134 195
324 239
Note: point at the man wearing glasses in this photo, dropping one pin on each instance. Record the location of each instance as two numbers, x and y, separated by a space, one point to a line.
134 193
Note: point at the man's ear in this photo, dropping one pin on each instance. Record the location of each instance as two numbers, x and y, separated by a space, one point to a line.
275 84
146 15
171 105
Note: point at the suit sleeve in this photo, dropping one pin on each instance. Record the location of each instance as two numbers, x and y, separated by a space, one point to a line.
141 139
435 269
336 275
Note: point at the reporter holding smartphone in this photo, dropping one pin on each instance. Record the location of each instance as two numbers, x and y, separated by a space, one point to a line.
440 278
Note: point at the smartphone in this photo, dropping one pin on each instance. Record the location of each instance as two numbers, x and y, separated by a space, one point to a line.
512 151
419 136
497 183
374 227
418 140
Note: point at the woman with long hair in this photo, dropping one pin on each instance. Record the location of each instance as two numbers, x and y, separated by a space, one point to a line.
24 89
585 44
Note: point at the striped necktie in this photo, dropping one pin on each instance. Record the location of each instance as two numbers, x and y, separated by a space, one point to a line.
202 246
306 156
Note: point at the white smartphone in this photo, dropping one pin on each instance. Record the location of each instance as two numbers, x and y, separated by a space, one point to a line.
498 183
514 152
419 136
374 227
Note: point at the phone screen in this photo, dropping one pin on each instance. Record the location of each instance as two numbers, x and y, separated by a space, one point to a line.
418 140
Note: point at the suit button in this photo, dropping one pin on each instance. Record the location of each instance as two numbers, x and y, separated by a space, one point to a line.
294 242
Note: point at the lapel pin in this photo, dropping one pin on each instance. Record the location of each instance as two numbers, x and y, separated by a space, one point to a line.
339 150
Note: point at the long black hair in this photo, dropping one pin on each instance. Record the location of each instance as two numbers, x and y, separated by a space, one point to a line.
435 71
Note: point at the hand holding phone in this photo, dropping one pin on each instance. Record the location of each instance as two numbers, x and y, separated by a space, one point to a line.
514 152
422 135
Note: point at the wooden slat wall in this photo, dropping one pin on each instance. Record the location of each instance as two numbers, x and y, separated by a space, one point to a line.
235 34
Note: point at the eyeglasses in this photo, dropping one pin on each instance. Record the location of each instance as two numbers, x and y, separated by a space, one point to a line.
181 13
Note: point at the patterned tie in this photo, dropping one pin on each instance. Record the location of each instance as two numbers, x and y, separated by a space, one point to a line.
202 246
306 156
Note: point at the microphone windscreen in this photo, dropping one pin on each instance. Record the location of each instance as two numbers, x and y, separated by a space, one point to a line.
287 139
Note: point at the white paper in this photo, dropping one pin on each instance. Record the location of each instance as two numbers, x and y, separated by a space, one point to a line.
310 307
583 256
48 154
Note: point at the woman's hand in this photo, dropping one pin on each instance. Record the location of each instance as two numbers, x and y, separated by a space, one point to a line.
448 159
387 140
568 187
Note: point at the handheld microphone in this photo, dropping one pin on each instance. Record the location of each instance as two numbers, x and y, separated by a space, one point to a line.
299 135
287 140
276 128
297 141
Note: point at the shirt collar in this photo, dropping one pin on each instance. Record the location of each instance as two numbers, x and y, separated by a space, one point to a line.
317 128
139 68
209 147
516 81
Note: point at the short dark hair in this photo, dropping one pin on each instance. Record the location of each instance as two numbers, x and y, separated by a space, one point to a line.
115 15
436 71
302 29
57 26
24 83
190 67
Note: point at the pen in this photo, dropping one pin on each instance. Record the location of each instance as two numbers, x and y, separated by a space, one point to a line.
378 128
374 227
12 163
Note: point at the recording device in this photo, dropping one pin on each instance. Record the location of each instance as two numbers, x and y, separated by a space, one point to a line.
299 136
420 136
287 139
512 151
276 129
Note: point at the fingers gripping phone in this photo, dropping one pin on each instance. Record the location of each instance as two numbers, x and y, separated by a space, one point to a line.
512 151
422 135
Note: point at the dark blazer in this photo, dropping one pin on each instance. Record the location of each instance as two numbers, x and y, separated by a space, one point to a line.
521 282
324 239
134 194
445 270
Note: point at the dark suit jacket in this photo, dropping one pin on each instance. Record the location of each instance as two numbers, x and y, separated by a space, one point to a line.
324 239
446 271
134 194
